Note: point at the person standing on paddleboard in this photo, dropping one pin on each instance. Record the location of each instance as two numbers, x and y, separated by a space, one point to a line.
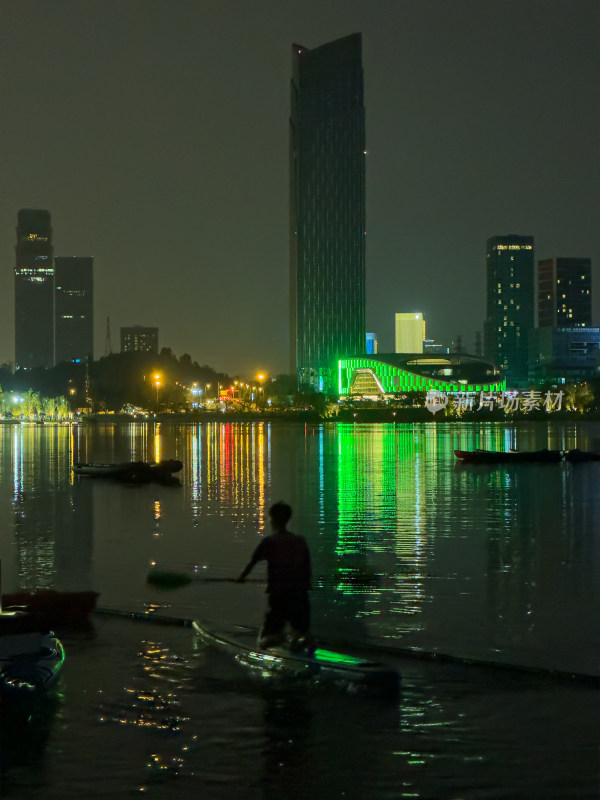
288 580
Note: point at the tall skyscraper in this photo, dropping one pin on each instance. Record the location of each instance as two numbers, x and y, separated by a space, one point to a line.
34 290
510 278
565 293
327 210
410 332
74 308
139 339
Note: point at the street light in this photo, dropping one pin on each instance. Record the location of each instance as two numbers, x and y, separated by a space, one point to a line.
157 384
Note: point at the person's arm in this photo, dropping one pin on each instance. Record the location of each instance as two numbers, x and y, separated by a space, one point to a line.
257 556
307 565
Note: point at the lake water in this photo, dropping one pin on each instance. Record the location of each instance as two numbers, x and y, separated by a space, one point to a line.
410 549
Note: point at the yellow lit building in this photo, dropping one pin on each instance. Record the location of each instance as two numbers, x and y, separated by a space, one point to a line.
410 332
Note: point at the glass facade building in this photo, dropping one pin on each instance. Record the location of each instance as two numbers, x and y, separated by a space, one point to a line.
510 305
74 308
327 210
563 355
34 290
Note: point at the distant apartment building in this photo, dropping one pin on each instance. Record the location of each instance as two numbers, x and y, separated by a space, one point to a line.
565 293
510 305
410 332
73 308
34 290
139 339
371 343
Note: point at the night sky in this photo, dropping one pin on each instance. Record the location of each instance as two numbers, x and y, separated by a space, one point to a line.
156 134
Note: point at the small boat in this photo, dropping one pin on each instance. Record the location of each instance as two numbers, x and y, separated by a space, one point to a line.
30 659
320 663
577 456
132 471
508 457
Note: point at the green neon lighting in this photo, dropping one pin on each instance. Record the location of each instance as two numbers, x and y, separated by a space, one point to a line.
337 658
395 380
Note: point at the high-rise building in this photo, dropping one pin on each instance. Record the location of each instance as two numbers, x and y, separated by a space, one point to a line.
138 339
73 308
327 210
510 307
34 290
410 332
565 292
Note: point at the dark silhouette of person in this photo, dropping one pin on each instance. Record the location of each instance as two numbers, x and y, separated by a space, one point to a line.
288 581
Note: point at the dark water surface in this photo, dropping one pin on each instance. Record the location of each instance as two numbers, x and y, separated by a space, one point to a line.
409 549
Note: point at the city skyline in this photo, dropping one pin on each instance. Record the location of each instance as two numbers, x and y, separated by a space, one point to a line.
167 159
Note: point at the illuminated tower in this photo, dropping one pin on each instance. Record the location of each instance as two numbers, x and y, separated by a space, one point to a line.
565 292
74 308
327 210
510 278
34 291
410 332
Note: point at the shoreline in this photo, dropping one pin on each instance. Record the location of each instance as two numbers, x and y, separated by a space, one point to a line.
374 416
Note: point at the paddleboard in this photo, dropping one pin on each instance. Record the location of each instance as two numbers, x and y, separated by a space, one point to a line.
323 664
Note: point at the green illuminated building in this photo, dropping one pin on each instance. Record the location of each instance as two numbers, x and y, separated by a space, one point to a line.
401 373
327 210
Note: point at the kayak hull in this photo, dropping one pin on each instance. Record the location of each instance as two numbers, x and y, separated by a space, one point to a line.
26 676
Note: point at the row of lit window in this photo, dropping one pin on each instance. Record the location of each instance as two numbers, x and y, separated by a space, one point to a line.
36 271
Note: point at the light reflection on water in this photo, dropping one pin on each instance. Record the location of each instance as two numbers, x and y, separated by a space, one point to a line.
409 548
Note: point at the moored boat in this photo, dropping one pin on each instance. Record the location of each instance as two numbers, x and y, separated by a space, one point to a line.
52 609
30 659
508 457
576 455
132 471
320 663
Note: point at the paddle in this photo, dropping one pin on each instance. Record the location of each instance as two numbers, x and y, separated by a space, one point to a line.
174 580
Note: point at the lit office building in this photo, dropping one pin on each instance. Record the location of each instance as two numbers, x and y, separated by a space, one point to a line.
138 339
410 333
327 210
565 292
510 306
34 291
74 308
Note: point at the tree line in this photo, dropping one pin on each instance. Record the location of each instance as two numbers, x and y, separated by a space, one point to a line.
112 381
